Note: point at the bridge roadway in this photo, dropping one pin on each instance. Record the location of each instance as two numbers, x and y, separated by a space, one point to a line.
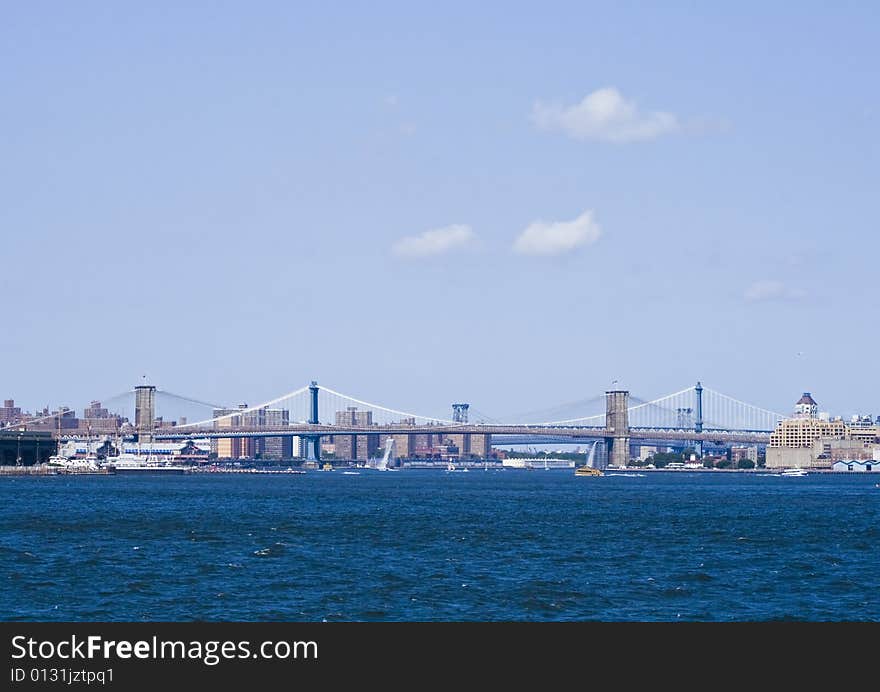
306 429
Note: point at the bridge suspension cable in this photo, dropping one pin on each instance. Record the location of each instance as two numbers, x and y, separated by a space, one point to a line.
379 407
238 412
721 411
189 400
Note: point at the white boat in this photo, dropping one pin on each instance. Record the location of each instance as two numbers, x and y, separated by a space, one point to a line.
89 463
133 463
793 473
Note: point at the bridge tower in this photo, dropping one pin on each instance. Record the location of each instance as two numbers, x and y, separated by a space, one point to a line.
617 423
460 413
698 423
144 411
314 441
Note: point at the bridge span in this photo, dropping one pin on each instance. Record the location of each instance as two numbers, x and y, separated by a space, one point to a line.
693 416
571 432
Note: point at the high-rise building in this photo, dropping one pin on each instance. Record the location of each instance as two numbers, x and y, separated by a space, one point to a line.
280 447
351 416
275 447
95 410
231 447
9 413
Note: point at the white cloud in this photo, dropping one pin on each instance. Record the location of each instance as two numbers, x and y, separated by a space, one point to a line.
434 242
771 289
558 237
604 115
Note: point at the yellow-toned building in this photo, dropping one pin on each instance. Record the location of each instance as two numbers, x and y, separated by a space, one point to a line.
804 440
803 432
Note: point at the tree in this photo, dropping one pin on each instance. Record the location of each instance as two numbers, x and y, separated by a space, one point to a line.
745 464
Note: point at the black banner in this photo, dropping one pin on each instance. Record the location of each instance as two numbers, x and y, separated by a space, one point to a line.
286 655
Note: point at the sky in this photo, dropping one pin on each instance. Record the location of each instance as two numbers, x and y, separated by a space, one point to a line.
510 204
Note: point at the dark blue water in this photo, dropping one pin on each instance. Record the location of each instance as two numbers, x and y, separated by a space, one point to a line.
423 545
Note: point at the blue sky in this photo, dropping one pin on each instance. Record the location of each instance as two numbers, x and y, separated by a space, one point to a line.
512 205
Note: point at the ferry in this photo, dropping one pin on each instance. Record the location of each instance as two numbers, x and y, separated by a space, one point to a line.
132 463
587 471
793 473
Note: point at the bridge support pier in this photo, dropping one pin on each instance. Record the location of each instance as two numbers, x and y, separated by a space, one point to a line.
144 412
314 444
617 423
698 423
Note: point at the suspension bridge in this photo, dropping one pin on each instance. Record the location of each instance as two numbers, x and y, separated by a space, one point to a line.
694 415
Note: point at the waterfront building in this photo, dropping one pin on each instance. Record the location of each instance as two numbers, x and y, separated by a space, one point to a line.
646 452
25 447
810 440
737 454
856 465
793 442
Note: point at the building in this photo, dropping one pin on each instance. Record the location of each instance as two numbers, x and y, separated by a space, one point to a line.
803 432
809 440
461 441
351 416
806 407
64 419
355 447
281 447
857 465
737 454
9 412
95 410
274 447
25 447
646 452
864 429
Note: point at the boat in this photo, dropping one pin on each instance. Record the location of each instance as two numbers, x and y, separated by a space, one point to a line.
327 466
133 463
62 463
588 469
793 473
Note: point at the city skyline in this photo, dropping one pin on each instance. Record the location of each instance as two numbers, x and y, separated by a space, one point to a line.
440 205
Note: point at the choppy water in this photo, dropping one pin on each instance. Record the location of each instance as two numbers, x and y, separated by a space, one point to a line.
423 545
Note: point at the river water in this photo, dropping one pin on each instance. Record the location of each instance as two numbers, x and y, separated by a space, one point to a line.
430 545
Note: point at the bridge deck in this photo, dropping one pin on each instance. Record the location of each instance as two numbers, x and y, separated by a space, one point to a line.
473 429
